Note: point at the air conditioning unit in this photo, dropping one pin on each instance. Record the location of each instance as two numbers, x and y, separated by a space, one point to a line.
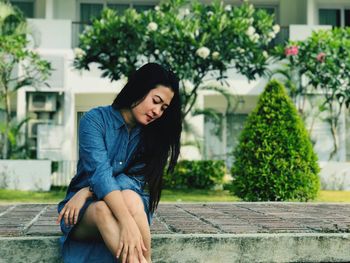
33 127
41 101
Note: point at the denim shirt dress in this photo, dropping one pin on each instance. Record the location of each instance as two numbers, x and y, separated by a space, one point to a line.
106 151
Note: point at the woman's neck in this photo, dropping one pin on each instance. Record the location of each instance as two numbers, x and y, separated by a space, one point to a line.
128 118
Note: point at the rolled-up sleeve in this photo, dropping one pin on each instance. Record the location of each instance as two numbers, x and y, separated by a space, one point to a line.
93 154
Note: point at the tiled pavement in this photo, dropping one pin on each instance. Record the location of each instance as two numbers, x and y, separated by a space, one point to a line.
20 220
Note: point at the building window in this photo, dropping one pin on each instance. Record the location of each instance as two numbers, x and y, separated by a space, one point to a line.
89 12
27 7
122 7
334 17
119 8
347 17
330 17
141 8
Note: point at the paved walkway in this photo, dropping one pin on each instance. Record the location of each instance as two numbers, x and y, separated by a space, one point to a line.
208 218
205 220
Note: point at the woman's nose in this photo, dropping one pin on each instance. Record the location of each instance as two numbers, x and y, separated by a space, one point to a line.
156 111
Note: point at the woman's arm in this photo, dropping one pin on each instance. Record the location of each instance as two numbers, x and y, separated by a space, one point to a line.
130 235
72 208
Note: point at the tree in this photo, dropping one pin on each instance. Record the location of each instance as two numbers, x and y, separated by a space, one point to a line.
320 65
15 55
274 160
192 39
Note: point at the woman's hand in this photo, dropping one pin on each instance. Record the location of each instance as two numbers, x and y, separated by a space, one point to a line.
71 210
130 239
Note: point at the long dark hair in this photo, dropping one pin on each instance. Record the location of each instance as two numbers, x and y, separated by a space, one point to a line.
161 138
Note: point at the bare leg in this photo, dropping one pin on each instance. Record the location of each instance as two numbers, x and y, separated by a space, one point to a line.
98 221
135 205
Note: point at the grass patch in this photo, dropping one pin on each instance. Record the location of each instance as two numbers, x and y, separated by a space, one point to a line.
14 196
197 195
168 195
334 196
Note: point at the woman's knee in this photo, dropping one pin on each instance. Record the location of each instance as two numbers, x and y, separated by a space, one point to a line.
133 202
101 211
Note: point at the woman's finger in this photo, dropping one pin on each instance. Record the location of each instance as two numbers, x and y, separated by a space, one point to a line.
143 245
131 254
125 254
76 217
66 217
71 217
60 215
119 249
139 252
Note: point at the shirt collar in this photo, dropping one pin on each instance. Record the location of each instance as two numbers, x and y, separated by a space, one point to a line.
121 122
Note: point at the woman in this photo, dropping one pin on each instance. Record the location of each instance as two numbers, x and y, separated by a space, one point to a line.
123 150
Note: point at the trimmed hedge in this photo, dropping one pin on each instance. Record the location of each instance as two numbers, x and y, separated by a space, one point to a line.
274 160
196 174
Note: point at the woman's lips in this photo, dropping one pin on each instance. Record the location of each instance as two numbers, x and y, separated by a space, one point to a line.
149 118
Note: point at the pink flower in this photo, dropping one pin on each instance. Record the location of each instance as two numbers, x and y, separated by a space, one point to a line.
320 57
291 51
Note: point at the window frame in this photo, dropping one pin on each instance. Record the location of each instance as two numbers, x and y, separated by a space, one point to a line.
106 2
27 1
341 7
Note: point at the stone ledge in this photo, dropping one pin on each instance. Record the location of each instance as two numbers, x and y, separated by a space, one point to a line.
197 248
201 232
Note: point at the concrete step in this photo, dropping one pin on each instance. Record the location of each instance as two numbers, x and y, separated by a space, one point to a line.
201 232
190 248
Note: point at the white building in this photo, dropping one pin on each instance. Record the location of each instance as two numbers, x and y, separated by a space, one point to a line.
55 26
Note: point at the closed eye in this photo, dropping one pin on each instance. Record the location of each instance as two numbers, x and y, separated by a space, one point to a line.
156 101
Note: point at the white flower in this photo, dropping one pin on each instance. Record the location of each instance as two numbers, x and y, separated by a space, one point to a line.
79 53
210 13
254 37
272 35
251 20
228 8
276 28
156 51
187 85
157 8
342 65
215 55
265 54
122 60
186 12
203 52
241 50
152 26
196 33
250 31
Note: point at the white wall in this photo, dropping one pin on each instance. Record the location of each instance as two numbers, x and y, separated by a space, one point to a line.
65 9
293 12
50 34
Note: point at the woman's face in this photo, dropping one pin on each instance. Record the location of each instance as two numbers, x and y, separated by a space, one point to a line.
153 105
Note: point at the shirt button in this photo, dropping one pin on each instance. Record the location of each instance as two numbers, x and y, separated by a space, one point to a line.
120 163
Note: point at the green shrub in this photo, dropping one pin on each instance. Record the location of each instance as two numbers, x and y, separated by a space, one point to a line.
196 174
274 160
